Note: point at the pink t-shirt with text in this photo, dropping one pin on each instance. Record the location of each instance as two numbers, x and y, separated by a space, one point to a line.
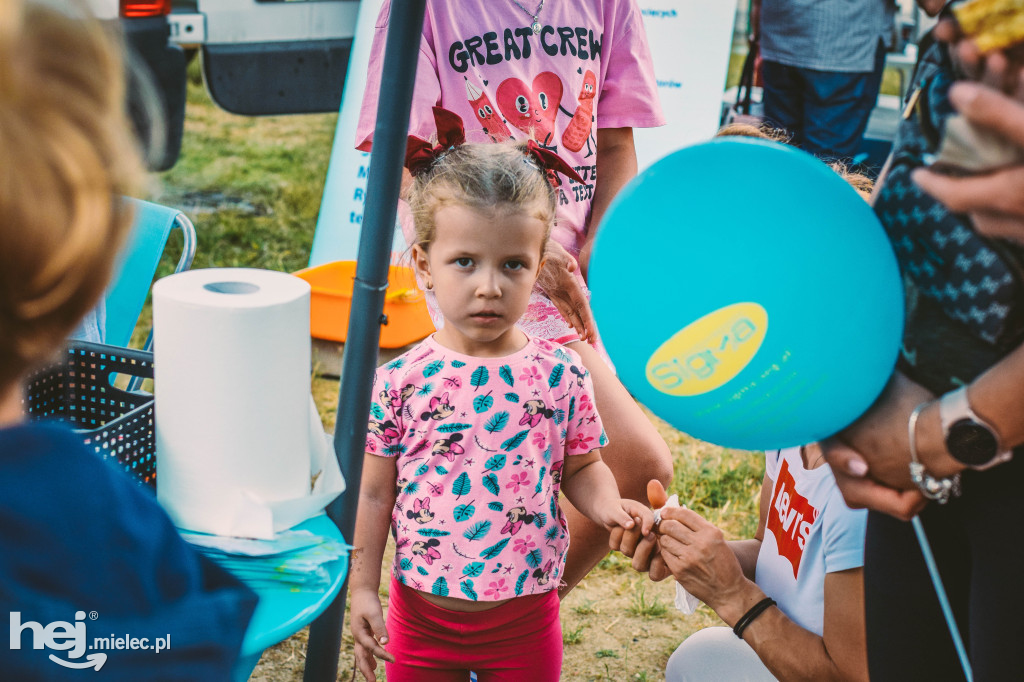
480 445
589 67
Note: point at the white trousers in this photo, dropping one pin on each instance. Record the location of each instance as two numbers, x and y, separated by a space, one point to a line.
715 655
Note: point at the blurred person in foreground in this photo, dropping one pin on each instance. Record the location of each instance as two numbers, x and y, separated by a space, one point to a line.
945 440
85 554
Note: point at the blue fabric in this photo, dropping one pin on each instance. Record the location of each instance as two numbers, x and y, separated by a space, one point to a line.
92 326
826 112
78 536
134 269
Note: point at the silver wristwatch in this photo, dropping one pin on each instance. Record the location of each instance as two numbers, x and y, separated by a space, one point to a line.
969 439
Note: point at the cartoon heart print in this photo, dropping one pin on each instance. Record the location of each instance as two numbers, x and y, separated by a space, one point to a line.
532 109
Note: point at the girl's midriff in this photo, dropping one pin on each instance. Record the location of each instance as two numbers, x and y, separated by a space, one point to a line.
461 605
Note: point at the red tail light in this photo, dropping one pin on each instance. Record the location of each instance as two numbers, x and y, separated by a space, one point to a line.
145 8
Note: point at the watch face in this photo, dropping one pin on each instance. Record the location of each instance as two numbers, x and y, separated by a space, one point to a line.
971 443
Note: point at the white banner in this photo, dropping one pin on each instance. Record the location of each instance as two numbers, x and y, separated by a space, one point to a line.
341 209
690 43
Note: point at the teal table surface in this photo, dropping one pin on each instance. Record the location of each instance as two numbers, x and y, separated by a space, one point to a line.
281 611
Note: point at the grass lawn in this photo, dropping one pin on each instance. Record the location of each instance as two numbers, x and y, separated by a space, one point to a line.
253 186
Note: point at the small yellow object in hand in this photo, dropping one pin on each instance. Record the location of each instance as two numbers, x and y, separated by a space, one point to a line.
992 24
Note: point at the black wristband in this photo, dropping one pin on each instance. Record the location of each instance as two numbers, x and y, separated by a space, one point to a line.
748 617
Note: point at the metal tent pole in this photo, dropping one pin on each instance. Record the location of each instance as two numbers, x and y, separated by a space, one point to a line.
360 357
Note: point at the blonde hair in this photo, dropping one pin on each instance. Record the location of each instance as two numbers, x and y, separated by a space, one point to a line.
761 132
859 181
485 177
67 155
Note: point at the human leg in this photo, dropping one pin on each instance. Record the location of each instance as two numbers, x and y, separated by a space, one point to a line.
993 515
907 636
714 654
518 640
838 107
424 641
980 560
635 453
783 98
874 83
399 672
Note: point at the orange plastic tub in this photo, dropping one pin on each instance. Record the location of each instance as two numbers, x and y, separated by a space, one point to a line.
404 305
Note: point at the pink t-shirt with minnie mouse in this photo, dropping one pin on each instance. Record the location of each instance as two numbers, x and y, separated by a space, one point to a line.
480 445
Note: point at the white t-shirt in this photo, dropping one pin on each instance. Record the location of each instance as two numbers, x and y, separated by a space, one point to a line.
809 532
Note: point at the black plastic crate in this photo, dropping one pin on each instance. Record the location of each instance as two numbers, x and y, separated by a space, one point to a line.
78 388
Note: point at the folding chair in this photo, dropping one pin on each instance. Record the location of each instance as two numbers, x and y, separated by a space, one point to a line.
136 267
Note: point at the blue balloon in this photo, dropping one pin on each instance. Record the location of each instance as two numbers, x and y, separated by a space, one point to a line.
747 294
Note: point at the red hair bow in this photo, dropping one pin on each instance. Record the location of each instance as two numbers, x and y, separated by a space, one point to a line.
420 155
552 162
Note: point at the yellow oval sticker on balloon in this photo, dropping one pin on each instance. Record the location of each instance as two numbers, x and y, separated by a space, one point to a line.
709 352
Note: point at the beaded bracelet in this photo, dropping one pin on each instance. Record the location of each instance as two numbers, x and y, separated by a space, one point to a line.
938 489
748 617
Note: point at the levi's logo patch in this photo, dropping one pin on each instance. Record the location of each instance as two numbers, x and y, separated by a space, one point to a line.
790 518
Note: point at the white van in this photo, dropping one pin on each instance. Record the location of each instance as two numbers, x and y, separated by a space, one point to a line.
259 57
264 57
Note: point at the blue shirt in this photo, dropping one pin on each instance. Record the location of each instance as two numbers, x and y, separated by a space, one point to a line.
825 35
86 555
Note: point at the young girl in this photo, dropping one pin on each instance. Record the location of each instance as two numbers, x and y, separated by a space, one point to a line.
471 436
577 77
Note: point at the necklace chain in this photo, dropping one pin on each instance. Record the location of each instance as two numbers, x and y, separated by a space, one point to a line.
535 26
812 465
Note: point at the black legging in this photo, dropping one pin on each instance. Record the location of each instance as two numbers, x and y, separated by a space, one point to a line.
978 542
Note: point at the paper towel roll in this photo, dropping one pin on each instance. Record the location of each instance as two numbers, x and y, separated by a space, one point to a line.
231 363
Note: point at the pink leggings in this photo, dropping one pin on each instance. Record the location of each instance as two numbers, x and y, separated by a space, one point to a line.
519 640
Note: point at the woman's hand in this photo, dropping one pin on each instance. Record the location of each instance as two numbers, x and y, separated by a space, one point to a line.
880 434
870 459
369 632
699 558
994 201
995 105
860 491
642 547
561 285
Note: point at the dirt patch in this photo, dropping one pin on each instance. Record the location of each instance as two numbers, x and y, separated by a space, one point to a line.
199 202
